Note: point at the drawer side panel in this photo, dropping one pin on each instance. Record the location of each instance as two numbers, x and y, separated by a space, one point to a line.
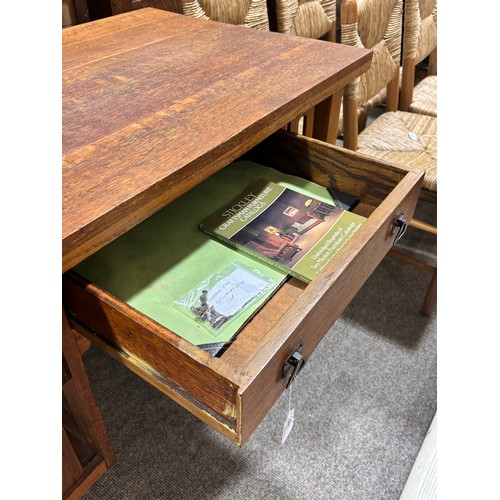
127 330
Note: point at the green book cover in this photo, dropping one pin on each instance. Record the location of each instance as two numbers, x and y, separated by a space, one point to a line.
291 231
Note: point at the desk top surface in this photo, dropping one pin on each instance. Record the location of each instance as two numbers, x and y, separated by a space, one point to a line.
154 102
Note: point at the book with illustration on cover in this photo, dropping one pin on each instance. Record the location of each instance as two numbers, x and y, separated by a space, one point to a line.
289 230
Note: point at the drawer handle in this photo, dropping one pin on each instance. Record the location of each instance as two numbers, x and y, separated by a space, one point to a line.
293 365
399 227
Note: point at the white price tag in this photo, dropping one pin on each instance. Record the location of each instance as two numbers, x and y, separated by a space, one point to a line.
233 292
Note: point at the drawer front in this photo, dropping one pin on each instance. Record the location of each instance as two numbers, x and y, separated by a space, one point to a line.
317 308
386 192
233 393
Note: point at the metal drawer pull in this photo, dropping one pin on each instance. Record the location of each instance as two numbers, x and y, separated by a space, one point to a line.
399 227
293 365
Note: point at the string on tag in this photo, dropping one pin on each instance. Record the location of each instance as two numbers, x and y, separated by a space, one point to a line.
290 418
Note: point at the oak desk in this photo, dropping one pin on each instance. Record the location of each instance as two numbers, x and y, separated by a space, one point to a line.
153 104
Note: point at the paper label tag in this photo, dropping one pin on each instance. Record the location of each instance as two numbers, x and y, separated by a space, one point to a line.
233 292
287 428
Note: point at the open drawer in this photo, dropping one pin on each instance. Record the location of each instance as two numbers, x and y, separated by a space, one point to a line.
233 392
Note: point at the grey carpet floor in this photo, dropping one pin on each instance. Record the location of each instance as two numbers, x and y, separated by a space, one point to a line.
363 405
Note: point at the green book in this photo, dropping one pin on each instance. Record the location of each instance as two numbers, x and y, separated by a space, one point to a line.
291 231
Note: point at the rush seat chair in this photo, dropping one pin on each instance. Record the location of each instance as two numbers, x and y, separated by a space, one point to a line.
249 13
310 19
397 137
419 43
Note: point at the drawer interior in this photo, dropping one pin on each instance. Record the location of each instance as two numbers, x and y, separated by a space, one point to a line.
234 391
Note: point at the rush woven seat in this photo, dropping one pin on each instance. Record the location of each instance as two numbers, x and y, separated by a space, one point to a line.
404 138
249 13
419 43
397 137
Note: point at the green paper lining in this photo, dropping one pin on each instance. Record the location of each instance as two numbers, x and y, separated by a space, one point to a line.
159 260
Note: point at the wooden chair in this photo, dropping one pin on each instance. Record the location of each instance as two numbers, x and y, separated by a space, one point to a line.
379 28
419 43
384 38
397 137
252 13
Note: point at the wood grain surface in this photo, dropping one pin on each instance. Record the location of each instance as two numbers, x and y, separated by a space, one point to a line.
83 421
154 102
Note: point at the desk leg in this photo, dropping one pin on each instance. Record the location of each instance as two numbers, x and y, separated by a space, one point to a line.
87 451
307 124
326 118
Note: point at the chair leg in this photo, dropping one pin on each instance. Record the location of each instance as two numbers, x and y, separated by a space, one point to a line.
424 226
407 84
362 119
433 62
430 300
350 124
408 259
392 98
